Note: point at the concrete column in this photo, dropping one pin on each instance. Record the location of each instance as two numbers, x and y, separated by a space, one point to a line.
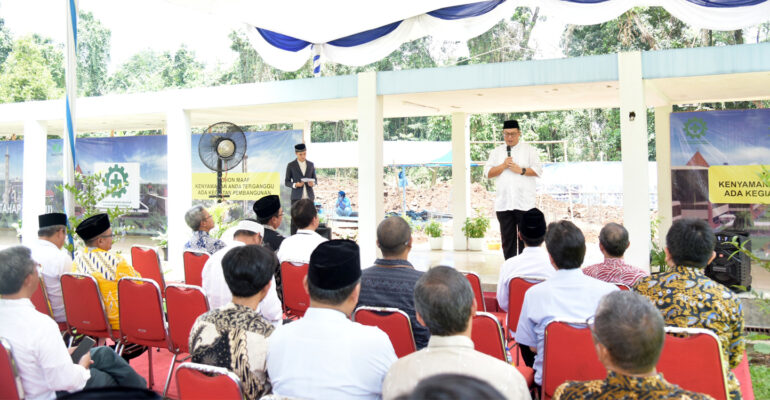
461 177
633 143
663 156
34 177
179 198
370 168
305 128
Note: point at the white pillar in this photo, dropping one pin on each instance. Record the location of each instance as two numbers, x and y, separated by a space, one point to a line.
179 198
305 128
370 168
663 157
633 143
34 177
461 177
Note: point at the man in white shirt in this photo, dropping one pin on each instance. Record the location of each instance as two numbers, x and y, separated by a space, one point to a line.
515 166
298 247
213 279
533 262
446 305
569 294
46 250
43 362
324 355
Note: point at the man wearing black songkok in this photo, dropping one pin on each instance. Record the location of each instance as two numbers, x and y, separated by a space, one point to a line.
300 175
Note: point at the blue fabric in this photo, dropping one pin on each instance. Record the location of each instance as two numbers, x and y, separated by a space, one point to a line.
282 42
365 36
466 10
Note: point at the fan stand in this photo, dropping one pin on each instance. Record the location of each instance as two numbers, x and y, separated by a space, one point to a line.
220 198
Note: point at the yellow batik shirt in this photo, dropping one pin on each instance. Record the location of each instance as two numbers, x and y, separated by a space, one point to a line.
625 387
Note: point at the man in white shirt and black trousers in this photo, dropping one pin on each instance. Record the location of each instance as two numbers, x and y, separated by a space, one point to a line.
46 250
515 165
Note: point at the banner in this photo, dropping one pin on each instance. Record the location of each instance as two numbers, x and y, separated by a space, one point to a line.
738 184
236 186
119 175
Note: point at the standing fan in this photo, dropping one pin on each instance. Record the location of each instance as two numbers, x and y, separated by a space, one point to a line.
221 148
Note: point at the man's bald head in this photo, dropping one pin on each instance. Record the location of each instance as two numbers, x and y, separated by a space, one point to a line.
393 236
614 238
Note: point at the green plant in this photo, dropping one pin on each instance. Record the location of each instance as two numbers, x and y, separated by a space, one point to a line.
161 238
434 229
17 226
657 255
476 227
221 215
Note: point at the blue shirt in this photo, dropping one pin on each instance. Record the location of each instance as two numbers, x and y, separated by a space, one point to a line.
568 294
201 241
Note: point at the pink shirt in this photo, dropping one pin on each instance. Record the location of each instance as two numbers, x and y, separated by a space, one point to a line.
614 270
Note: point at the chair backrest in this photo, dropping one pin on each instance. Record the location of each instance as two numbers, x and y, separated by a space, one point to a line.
140 308
487 335
193 266
184 303
569 355
685 347
10 382
622 286
204 382
517 287
295 298
83 306
40 299
145 260
475 281
392 321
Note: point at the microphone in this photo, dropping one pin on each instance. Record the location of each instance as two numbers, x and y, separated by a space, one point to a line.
508 148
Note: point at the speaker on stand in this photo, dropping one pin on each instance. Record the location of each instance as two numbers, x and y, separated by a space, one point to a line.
735 271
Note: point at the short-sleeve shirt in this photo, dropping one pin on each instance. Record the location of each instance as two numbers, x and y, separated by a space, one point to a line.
53 263
621 387
614 270
515 191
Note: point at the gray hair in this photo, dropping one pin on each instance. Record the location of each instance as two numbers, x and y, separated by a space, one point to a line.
194 217
444 299
15 266
49 231
614 239
629 326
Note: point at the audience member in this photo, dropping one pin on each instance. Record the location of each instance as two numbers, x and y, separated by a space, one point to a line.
446 305
270 214
51 234
298 247
390 281
234 336
689 299
453 387
247 232
613 242
628 334
533 262
324 355
42 360
568 294
201 222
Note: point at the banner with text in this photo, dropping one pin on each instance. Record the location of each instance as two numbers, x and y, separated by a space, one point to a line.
124 178
237 185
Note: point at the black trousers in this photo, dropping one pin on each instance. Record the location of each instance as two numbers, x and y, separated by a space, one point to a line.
509 232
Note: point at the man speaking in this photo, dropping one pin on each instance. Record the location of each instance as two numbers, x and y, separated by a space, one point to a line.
300 175
515 165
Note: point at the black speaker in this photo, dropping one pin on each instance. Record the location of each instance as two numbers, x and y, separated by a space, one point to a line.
324 231
735 271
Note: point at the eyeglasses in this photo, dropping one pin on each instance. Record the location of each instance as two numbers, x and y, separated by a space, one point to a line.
511 133
106 236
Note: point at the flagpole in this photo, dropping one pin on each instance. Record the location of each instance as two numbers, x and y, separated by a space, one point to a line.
71 94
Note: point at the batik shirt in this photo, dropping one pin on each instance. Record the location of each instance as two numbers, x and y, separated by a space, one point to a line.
614 270
234 337
625 387
201 241
689 299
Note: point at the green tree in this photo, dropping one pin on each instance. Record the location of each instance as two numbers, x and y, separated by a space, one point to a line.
182 69
6 42
150 71
25 75
93 55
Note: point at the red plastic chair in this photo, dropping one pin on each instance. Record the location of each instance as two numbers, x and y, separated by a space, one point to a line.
141 317
40 300
517 287
10 382
146 262
205 382
487 335
184 304
84 307
623 286
193 266
392 321
569 355
699 347
481 305
296 300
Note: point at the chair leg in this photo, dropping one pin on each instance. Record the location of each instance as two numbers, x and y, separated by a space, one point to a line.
170 371
151 381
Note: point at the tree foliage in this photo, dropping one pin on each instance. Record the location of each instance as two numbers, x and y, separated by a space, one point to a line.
26 74
93 55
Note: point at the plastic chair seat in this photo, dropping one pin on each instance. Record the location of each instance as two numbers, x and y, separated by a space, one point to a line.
487 335
193 266
205 382
393 322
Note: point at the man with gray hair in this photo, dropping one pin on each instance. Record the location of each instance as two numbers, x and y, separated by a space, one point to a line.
613 242
446 305
46 250
628 333
201 222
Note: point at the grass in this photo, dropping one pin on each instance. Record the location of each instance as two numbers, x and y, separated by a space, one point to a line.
760 378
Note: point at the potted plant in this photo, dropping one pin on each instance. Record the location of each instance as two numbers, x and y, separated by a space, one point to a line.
162 240
474 230
434 231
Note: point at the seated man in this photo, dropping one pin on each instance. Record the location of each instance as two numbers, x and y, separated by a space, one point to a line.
689 299
51 235
453 386
215 285
446 305
613 242
43 361
324 355
568 294
297 247
342 207
234 336
270 215
97 260
628 333
390 281
533 262
201 222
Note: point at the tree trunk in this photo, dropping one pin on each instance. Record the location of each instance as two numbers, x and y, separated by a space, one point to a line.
738 35
706 38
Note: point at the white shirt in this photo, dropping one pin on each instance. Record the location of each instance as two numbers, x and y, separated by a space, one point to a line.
218 293
324 355
42 359
298 247
515 191
533 262
303 168
569 294
53 263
